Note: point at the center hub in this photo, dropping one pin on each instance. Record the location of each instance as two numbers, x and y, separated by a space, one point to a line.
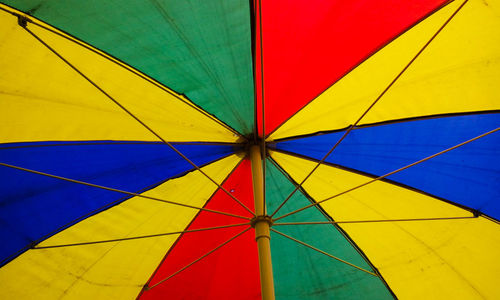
258 219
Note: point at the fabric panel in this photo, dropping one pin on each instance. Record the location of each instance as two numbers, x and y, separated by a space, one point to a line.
302 273
37 105
231 272
198 48
468 175
445 259
115 270
34 206
458 72
309 45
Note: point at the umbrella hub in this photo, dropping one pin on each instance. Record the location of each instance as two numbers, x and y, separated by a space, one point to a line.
257 219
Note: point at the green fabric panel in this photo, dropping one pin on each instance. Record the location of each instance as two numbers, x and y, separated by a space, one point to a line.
302 273
198 48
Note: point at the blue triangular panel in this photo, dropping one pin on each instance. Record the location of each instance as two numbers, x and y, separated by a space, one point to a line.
34 206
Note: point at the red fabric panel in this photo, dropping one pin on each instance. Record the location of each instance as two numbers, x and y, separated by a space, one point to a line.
231 272
310 44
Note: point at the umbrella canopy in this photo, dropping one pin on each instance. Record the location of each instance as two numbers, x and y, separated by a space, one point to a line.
250 149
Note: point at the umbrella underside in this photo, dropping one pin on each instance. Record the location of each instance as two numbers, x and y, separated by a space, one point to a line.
124 146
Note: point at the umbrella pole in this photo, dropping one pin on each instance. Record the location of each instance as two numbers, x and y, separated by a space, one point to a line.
262 223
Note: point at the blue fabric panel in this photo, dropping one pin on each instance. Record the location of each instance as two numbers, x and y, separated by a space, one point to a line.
33 206
469 175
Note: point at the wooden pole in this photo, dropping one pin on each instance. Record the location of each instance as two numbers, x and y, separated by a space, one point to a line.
262 223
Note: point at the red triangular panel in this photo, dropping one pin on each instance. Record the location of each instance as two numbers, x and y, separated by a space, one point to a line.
231 272
310 44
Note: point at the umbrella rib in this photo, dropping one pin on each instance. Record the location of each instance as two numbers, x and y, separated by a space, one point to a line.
123 192
390 173
140 237
351 127
375 221
196 260
132 115
323 252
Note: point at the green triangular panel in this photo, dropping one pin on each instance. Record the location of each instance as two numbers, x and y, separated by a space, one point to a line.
302 273
205 54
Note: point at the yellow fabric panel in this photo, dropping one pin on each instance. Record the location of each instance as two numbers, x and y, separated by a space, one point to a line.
42 98
116 270
445 259
458 72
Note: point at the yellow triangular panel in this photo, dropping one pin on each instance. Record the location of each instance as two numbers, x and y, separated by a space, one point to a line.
439 259
116 270
43 99
458 72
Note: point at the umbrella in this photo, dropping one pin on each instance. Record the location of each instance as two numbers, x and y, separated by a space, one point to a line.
250 149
